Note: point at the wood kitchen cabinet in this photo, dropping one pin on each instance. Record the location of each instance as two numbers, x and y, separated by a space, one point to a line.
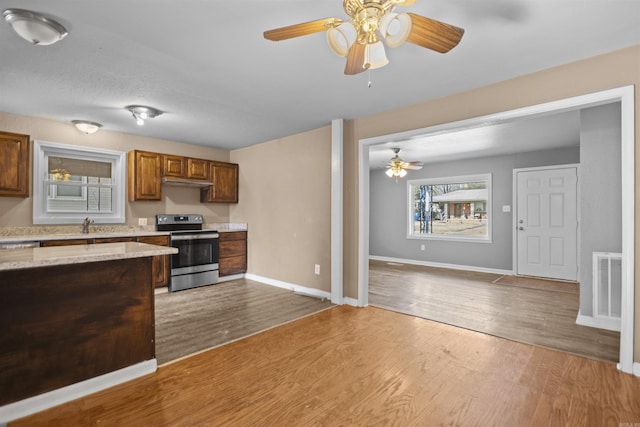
144 176
173 166
14 165
161 265
233 253
197 169
225 183
66 242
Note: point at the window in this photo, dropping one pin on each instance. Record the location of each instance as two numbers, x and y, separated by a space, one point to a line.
71 183
453 208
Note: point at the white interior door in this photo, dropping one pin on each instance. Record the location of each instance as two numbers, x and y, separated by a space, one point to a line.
547 223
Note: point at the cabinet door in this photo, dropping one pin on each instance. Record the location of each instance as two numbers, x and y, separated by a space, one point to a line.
173 166
233 253
225 184
144 176
161 265
197 169
14 165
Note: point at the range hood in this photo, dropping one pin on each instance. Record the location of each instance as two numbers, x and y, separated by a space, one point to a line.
168 180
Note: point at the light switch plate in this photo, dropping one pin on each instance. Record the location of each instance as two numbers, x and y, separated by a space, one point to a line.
506 208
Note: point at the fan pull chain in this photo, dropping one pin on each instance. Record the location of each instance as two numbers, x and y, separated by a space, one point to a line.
369 84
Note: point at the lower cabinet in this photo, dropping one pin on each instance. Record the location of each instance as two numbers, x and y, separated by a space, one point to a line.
233 253
161 265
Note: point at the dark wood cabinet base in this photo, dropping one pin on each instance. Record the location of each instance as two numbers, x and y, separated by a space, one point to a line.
65 324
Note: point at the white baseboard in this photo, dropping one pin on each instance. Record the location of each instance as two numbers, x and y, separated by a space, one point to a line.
350 301
608 323
442 265
636 369
38 403
312 292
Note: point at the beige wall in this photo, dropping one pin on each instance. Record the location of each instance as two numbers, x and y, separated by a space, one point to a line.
19 212
285 198
615 69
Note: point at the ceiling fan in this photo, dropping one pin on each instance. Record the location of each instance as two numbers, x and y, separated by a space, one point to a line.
398 168
359 38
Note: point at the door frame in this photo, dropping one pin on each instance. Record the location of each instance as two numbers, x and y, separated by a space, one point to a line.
514 203
624 95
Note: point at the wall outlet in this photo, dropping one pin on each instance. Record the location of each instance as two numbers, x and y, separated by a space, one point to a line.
317 269
422 247
142 221
506 208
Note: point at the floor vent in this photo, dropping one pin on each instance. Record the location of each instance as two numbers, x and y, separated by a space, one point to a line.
607 289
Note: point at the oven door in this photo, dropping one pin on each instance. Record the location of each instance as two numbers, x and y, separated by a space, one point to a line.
196 252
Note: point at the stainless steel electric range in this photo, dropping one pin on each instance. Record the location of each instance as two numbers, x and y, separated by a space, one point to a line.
196 263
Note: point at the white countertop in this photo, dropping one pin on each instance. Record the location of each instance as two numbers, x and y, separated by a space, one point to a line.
78 254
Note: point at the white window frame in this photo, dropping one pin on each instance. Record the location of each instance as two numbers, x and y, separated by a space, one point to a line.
411 184
43 149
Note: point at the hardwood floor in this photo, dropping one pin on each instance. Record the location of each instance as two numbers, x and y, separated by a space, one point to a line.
365 366
470 300
201 318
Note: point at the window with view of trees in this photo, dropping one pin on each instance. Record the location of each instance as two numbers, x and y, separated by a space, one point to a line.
453 208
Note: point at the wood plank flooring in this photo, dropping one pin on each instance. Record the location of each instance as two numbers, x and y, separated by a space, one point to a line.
197 319
365 366
470 300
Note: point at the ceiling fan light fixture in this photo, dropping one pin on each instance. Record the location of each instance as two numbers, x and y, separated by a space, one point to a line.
34 27
341 38
87 127
375 56
395 28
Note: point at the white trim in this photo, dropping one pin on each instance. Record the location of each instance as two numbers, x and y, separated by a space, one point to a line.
350 301
337 143
62 395
514 211
636 369
412 183
118 159
312 292
624 95
608 323
442 265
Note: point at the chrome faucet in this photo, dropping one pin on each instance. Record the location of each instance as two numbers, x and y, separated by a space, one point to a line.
85 225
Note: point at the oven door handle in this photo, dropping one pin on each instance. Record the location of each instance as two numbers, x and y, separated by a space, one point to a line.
195 237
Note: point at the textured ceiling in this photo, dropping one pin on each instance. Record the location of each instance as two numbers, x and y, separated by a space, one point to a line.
220 84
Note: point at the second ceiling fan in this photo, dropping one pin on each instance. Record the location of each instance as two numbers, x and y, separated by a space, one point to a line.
359 38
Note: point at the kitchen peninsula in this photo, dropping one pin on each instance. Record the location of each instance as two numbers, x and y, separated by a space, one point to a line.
71 314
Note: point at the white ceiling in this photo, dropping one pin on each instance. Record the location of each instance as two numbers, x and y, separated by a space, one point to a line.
221 84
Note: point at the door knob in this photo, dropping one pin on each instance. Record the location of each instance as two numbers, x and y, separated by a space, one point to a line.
521 228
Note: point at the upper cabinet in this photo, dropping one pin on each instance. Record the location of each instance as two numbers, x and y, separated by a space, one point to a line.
173 166
148 170
144 176
225 183
14 165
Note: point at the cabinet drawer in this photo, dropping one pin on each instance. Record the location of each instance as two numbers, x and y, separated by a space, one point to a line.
226 236
233 248
154 240
114 239
66 242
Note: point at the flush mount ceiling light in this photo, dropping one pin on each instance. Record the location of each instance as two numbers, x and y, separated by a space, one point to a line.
360 38
33 27
86 127
142 113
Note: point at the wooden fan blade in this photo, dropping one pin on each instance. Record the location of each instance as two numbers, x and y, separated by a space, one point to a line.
403 2
434 35
303 29
355 59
